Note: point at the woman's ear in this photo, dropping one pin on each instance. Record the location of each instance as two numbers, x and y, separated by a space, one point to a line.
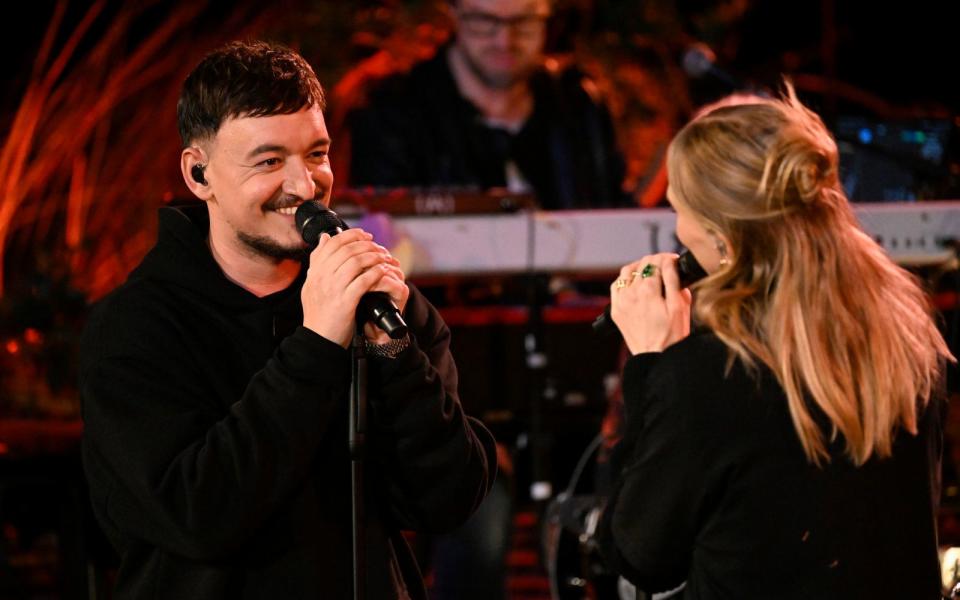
722 245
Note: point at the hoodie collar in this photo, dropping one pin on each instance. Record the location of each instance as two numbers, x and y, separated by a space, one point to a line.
181 257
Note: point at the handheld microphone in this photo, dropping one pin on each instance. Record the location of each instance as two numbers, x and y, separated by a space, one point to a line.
690 272
313 219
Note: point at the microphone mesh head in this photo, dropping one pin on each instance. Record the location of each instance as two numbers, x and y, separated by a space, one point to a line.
689 269
313 219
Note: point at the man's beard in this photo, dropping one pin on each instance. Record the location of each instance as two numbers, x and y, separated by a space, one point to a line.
266 247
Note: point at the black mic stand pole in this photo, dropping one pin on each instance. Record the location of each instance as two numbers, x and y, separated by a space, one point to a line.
541 391
540 388
357 438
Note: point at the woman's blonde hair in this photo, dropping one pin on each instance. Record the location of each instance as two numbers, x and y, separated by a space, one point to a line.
806 291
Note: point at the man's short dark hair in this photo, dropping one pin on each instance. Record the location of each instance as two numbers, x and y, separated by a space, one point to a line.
249 79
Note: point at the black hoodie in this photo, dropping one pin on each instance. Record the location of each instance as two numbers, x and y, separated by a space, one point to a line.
215 437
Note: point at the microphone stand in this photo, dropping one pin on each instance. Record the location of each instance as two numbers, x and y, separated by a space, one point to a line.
536 363
357 438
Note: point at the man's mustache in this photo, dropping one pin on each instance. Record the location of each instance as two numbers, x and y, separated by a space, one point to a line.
289 201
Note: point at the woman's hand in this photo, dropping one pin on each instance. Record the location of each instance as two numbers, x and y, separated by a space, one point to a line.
648 306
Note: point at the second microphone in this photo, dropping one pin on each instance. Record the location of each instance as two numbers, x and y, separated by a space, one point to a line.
314 219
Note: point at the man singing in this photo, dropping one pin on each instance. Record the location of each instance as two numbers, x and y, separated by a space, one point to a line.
215 381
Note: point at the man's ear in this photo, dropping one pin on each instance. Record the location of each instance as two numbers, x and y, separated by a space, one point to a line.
193 164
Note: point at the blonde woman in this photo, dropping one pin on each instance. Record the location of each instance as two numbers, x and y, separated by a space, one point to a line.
789 446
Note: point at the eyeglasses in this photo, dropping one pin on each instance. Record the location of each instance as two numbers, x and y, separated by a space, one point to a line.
486 24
